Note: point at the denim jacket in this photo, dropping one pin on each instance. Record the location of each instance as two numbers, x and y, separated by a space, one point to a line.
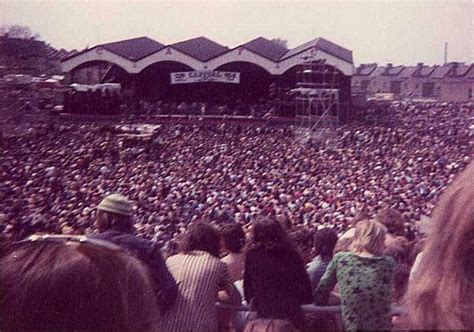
165 285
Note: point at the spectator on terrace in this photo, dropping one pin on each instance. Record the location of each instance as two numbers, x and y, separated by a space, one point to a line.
393 220
344 242
401 251
275 279
200 276
114 222
324 242
261 170
365 280
94 286
233 240
441 294
302 239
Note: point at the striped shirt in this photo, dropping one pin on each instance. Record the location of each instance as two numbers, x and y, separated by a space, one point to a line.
199 276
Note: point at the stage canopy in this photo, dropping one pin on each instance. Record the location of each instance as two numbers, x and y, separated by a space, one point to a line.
135 55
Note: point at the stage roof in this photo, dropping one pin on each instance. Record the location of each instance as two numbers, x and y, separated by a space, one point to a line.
203 49
266 48
135 48
135 54
200 48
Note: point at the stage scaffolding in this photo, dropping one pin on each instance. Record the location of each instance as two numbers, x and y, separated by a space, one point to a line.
317 102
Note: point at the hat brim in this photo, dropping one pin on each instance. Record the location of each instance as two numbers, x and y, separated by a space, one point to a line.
112 210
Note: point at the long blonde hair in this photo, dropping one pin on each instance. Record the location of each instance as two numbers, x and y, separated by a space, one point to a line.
441 294
369 236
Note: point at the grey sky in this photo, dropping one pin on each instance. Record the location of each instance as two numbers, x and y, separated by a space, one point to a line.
401 32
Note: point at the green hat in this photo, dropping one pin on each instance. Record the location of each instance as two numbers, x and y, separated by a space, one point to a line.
116 203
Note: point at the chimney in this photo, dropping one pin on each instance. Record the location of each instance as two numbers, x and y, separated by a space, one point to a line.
454 69
387 69
419 68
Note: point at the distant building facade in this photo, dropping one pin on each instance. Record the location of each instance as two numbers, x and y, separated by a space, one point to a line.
452 82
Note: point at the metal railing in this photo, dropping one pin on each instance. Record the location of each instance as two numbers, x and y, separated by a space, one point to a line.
308 308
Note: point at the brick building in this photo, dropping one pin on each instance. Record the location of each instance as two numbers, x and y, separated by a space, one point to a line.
450 82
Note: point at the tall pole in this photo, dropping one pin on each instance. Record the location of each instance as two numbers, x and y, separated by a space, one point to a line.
445 52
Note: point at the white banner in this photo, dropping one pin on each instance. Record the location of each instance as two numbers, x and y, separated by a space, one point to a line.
205 76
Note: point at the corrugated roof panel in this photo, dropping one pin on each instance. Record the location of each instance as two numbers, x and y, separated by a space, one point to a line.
334 49
200 48
325 46
300 48
266 48
134 49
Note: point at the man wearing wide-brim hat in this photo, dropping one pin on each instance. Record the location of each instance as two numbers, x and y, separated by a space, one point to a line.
115 224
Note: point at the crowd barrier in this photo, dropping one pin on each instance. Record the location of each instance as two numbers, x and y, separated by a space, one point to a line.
308 308
173 118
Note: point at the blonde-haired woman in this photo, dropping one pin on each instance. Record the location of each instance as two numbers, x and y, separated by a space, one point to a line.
365 280
441 294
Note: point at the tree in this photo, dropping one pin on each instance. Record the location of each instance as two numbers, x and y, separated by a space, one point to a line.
281 42
17 31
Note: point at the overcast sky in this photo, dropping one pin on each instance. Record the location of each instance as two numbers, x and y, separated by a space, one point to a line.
401 32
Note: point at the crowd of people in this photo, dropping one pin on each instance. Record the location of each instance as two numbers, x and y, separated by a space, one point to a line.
282 190
53 177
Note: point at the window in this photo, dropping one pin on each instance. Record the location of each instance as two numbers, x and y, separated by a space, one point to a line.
396 87
427 90
364 84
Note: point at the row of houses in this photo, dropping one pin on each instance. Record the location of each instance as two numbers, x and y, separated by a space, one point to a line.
452 82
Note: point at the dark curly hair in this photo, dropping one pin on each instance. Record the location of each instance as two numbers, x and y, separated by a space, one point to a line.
269 234
324 242
393 220
204 237
234 237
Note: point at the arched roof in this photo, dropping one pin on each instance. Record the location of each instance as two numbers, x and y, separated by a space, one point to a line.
200 53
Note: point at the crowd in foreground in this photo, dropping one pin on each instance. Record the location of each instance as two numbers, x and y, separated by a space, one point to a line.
284 193
115 281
